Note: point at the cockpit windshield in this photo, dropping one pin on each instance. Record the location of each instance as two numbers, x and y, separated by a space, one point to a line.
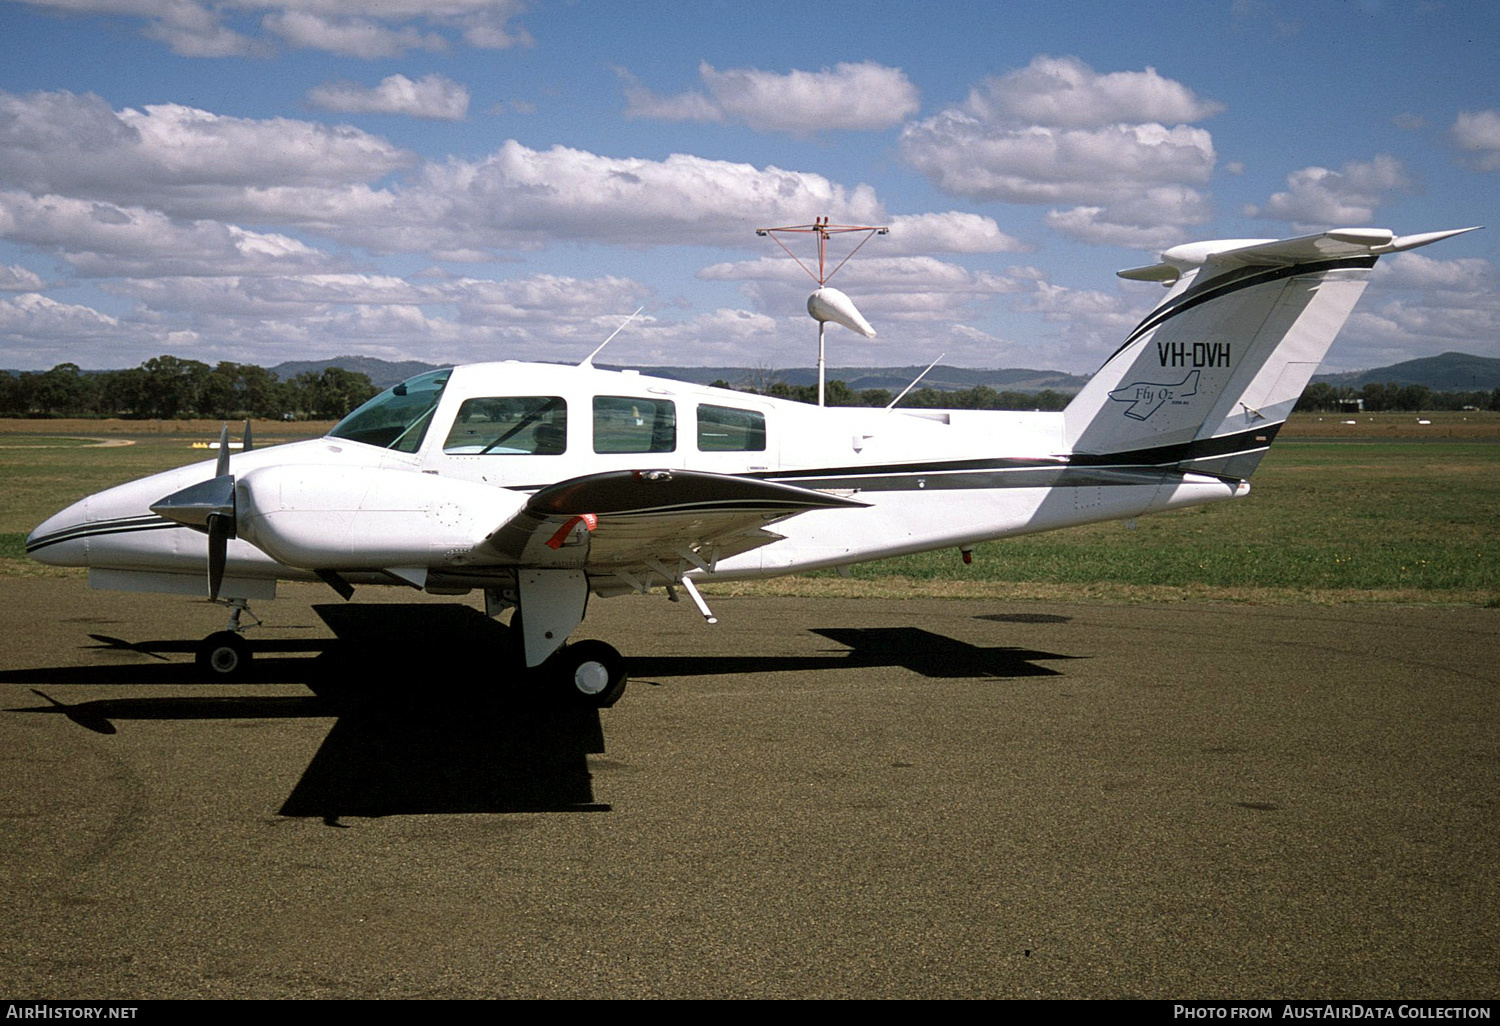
398 417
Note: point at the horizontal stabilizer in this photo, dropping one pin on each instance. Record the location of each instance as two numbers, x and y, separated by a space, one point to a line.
1336 244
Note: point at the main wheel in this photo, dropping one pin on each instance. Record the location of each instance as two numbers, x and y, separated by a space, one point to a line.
589 672
223 656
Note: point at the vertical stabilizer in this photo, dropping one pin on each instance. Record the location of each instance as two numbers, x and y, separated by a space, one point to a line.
1205 381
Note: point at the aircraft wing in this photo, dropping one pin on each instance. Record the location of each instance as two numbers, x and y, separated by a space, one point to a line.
638 522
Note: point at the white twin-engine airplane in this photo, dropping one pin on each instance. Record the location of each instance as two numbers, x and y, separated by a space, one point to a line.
543 484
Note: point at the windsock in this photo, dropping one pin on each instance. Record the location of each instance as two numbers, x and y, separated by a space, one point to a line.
828 304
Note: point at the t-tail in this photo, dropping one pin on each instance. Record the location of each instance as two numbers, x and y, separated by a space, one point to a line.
1208 378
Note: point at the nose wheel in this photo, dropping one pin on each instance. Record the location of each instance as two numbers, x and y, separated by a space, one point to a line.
223 656
589 673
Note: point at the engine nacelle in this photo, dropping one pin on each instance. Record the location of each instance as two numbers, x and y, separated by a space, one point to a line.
362 518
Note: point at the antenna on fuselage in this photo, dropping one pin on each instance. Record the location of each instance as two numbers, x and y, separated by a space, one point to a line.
828 304
588 361
892 404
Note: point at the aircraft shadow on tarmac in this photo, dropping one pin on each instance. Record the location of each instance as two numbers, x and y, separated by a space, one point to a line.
420 723
911 648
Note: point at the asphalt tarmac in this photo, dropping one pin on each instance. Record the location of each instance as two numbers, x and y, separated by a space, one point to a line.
830 798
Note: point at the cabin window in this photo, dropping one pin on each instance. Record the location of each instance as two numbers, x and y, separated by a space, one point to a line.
398 417
725 429
511 425
628 424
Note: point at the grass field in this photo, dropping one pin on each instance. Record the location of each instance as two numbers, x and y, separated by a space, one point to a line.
1382 510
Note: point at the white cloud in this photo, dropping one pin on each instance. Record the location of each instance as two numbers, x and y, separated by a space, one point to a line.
1420 305
1064 92
191 165
906 288
1056 131
350 28
1153 220
518 196
1095 226
102 239
967 157
1477 133
951 232
432 96
350 36
76 145
15 278
1318 197
1417 271
848 97
538 316
34 322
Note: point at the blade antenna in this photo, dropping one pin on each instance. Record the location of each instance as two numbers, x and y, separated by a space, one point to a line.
588 361
919 377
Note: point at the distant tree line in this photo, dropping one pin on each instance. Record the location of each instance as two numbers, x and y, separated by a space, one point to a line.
167 388
980 397
1321 397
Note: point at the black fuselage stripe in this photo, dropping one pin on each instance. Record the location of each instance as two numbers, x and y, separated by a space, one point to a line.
1156 456
99 530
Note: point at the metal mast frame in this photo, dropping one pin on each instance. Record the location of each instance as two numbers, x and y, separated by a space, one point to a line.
822 229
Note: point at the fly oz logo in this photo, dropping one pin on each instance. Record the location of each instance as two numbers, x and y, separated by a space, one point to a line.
1146 397
1193 354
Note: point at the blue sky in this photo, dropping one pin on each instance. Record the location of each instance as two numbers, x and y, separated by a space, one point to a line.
458 180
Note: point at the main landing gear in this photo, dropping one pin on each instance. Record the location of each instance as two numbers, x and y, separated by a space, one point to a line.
225 655
587 673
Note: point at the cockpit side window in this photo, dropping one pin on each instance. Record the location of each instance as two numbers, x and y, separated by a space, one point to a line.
524 425
628 424
726 429
398 417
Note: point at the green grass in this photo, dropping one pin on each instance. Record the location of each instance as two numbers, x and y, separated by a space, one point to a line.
1382 516
43 442
1408 520
39 482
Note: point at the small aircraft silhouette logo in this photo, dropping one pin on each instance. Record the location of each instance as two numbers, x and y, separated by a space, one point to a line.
1146 397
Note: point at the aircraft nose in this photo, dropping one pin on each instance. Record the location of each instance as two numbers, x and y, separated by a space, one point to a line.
62 539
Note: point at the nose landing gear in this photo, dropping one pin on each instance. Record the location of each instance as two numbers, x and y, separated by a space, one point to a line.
225 655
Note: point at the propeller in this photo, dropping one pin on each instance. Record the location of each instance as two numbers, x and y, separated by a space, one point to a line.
208 506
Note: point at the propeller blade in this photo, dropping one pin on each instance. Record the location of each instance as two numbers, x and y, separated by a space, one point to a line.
222 466
220 529
249 444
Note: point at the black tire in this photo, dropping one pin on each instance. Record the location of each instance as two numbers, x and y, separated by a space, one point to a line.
589 673
223 656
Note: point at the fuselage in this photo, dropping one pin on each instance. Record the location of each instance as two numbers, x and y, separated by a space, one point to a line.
478 440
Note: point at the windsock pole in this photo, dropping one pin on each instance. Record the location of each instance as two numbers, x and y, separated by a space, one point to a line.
822 325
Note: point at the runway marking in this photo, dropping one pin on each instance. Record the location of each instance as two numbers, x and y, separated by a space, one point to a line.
93 443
